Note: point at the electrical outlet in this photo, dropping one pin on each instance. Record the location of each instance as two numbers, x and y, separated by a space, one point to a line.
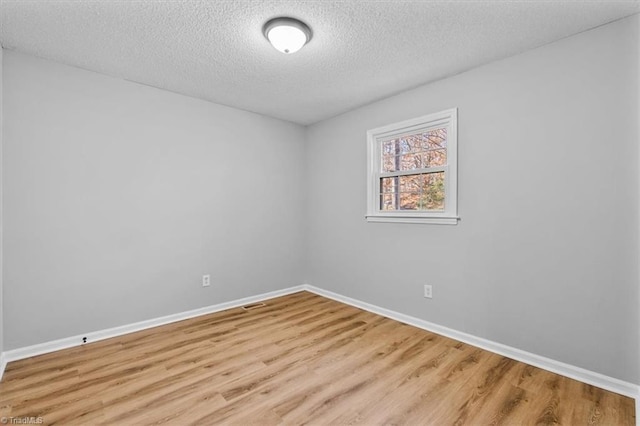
206 280
428 291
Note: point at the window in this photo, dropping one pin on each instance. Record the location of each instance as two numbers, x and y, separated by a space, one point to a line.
412 170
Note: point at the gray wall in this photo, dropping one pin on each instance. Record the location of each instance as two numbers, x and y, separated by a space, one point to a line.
119 197
1 223
545 258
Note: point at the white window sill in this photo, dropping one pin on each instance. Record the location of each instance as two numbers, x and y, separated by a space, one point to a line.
440 220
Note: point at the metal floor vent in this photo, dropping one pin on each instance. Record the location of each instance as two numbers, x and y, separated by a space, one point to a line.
253 306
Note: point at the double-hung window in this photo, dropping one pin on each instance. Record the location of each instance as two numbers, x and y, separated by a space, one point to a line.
412 175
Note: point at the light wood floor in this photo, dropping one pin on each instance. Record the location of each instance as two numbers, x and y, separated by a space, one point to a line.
302 359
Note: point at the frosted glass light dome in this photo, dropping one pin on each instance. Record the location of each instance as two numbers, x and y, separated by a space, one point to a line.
288 35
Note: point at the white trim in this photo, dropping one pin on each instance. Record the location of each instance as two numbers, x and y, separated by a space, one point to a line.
94 336
447 119
577 373
3 364
596 379
445 220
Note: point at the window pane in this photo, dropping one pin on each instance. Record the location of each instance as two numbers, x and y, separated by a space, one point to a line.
389 147
388 201
433 192
434 139
434 158
410 144
389 163
410 161
409 201
411 183
388 185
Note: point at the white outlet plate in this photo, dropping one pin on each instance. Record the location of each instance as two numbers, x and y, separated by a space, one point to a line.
206 280
428 291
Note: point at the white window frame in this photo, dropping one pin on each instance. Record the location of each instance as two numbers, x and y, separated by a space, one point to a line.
445 119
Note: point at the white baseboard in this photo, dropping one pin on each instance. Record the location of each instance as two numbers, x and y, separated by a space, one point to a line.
3 364
94 336
573 372
577 373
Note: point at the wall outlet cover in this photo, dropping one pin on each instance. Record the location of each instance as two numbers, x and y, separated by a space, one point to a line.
428 291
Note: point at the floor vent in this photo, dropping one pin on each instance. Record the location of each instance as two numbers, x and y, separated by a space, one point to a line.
253 306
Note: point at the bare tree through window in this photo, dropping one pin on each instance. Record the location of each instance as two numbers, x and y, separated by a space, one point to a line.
420 152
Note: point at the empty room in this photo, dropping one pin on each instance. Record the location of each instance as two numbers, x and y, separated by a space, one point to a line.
286 212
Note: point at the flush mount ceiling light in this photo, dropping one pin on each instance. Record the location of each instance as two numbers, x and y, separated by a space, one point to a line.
288 35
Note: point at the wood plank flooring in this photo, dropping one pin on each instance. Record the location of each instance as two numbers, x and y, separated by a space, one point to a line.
301 359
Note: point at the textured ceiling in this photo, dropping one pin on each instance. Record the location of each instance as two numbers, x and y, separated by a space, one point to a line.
361 50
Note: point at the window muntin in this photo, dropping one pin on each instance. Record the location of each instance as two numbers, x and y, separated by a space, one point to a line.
412 170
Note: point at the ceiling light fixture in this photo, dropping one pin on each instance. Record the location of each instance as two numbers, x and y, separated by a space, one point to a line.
288 35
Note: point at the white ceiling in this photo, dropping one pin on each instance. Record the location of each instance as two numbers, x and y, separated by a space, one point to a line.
361 51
